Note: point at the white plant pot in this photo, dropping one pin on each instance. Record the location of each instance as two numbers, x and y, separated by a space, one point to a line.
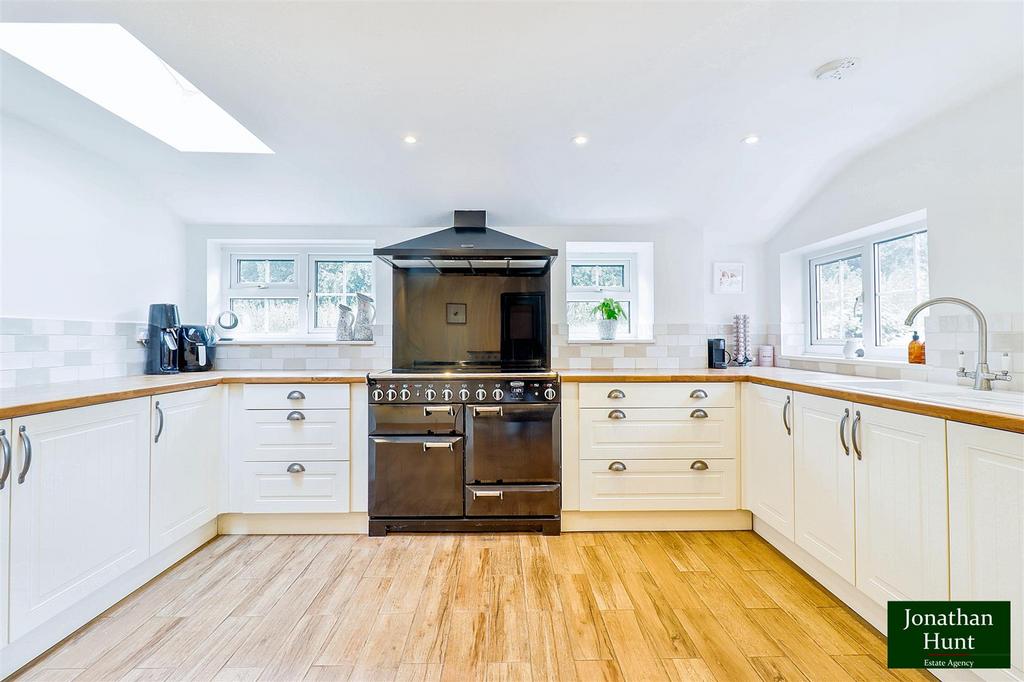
606 329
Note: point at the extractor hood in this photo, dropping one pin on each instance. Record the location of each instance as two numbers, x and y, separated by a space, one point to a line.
470 247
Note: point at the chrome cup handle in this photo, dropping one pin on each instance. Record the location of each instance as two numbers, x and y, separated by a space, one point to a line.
616 394
296 395
616 414
616 466
295 416
699 414
295 468
699 465
698 394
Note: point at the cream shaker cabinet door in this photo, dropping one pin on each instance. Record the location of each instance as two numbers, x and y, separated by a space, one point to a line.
185 447
79 505
986 522
823 481
768 456
6 475
900 479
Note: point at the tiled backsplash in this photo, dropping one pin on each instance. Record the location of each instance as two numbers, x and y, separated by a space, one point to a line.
51 351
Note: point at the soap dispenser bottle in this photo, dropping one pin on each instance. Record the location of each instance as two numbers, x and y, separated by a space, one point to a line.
915 350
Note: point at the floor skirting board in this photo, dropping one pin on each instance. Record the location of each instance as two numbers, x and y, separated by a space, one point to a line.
354 523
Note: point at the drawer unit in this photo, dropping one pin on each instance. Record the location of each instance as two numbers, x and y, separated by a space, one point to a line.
657 484
657 433
295 396
513 500
658 395
308 435
298 486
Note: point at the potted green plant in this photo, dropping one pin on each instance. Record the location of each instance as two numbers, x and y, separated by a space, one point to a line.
610 311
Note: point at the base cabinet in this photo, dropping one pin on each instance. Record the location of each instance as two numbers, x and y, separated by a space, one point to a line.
79 505
986 522
823 481
900 483
767 460
185 451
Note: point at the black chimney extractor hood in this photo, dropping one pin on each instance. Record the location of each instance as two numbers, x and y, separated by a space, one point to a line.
470 247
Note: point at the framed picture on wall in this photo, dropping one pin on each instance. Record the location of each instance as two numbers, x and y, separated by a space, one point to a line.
727 278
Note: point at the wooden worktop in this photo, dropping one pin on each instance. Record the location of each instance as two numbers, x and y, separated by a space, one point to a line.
37 399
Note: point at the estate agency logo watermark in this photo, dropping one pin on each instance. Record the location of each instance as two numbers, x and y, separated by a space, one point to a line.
949 634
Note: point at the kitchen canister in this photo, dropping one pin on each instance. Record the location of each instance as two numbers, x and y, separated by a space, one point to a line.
766 356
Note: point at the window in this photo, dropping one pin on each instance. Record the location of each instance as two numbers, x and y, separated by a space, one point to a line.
889 271
293 294
599 270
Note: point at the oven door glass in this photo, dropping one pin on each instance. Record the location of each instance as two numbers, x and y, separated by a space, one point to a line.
416 476
513 443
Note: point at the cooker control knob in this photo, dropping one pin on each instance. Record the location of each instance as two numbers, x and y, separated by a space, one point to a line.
463 394
481 394
430 394
404 395
497 394
549 394
392 394
378 394
446 394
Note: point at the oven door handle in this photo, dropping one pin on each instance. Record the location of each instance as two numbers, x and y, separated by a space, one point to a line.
430 409
427 445
488 493
477 411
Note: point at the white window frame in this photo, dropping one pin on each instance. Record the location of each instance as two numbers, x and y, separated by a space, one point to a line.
629 292
864 246
304 287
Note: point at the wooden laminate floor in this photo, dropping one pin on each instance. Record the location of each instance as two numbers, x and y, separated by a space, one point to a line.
584 606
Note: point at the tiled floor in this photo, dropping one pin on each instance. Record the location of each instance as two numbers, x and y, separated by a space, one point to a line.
584 606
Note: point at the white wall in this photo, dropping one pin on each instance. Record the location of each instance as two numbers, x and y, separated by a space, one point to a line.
966 168
678 260
79 238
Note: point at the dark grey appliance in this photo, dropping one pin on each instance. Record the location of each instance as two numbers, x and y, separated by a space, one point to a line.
464 452
717 354
197 346
162 344
470 298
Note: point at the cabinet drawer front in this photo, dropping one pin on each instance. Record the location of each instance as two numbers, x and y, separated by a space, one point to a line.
657 484
268 487
658 395
646 433
303 396
270 436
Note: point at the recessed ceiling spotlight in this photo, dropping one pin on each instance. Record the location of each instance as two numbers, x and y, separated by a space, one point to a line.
836 70
410 139
580 140
751 139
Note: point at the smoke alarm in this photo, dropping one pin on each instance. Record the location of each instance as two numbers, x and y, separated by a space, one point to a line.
836 70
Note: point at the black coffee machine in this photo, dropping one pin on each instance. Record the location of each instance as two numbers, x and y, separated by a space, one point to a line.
198 345
162 346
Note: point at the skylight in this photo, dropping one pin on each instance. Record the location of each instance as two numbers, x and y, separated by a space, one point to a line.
108 65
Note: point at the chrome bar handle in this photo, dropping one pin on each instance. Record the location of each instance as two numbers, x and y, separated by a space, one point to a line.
853 435
6 446
477 411
428 445
616 414
295 416
428 409
160 426
842 431
616 394
27 444
296 395
699 414
489 493
699 465
295 468
698 394
785 415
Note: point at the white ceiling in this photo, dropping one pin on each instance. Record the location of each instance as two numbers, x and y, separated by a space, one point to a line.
495 91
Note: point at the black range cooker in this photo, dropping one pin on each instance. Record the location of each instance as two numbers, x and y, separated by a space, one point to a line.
464 452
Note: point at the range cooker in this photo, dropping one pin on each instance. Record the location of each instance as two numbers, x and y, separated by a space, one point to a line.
464 452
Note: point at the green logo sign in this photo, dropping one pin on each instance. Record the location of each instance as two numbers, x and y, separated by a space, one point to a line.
949 634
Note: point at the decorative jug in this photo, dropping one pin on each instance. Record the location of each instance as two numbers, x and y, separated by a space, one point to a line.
346 323
365 314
